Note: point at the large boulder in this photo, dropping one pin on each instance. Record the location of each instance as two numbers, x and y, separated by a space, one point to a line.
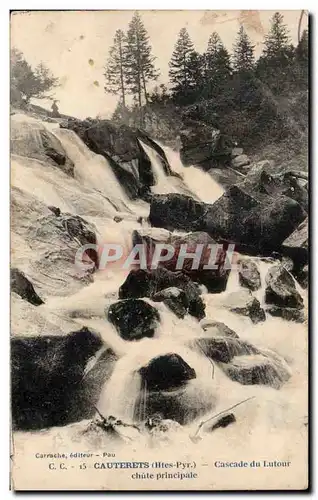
258 221
24 288
166 372
281 289
244 303
143 283
214 279
177 211
134 319
249 275
30 138
226 176
48 382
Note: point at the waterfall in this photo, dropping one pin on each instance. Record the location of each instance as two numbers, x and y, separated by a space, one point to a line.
96 194
196 182
93 170
199 182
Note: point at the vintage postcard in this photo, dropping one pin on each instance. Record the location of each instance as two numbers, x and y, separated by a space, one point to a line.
159 250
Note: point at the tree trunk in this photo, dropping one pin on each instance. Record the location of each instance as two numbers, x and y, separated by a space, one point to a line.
122 75
144 86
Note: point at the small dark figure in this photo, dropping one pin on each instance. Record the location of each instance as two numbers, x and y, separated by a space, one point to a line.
55 110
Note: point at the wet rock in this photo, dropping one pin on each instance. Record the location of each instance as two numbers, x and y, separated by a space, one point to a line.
281 290
166 372
223 422
143 283
134 319
287 313
244 303
175 299
249 275
217 329
24 288
32 140
223 350
296 245
214 279
177 211
258 221
48 382
258 370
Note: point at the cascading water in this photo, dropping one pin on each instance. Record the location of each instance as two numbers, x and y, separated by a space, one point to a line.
96 194
195 181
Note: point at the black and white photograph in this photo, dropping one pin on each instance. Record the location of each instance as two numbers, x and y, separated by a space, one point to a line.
159 202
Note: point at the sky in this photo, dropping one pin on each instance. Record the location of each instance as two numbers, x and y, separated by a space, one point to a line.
75 45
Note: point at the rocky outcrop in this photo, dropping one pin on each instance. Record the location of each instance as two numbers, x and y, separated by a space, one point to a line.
119 144
249 275
177 211
134 319
175 299
24 288
281 289
48 382
142 283
30 138
244 303
226 177
166 372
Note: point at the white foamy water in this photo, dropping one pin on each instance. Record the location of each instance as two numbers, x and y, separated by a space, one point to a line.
94 194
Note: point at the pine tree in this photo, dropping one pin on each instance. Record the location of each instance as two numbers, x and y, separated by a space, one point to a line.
217 65
114 70
276 65
243 59
277 40
184 65
139 63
